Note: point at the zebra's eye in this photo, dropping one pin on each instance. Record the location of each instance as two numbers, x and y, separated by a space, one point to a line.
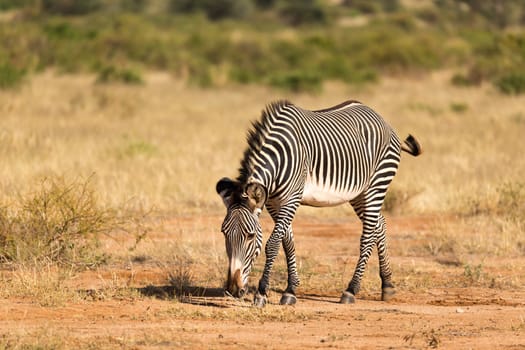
250 235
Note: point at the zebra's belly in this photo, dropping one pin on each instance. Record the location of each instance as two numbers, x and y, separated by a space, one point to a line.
320 195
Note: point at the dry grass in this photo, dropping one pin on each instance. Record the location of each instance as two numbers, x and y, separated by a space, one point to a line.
164 145
42 284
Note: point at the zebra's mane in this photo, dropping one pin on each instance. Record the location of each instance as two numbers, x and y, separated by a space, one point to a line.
256 137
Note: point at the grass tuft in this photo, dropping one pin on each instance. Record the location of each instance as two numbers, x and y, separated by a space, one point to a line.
42 283
181 275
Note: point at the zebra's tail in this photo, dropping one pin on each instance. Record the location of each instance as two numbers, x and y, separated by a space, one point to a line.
412 146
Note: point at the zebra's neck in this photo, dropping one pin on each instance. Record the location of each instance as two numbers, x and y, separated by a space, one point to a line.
254 167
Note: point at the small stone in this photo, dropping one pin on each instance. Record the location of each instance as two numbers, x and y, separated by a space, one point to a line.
459 310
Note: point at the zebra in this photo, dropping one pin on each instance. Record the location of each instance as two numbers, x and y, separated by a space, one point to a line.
342 154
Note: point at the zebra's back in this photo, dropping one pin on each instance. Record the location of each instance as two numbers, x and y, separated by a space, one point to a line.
343 145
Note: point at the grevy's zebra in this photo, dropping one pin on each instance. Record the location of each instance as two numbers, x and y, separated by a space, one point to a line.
346 153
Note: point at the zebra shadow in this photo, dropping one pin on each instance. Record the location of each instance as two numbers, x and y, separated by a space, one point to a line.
216 297
195 295
318 298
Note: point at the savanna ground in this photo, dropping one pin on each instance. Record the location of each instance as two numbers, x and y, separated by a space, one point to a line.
455 219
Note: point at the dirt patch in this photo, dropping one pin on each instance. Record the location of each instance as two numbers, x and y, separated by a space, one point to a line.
134 305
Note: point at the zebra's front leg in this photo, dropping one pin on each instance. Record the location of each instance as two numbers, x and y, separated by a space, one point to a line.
282 215
288 297
282 232
271 250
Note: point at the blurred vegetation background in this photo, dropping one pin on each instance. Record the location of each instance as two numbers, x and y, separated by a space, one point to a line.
290 44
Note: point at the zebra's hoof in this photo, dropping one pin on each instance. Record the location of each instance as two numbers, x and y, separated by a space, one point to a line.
347 298
388 293
288 299
259 300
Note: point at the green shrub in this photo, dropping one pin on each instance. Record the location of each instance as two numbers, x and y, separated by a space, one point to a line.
512 83
458 107
459 79
214 9
297 81
297 12
70 7
60 222
10 76
265 4
10 4
200 74
61 29
133 5
259 51
391 49
112 74
363 6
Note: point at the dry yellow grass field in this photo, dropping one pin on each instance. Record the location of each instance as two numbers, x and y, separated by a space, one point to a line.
165 144
455 217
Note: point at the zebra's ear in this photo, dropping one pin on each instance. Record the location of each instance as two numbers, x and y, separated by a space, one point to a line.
256 197
225 188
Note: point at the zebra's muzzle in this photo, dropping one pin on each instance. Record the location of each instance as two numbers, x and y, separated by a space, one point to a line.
235 286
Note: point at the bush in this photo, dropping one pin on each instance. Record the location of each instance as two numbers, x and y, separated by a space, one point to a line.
362 6
265 4
10 76
70 7
298 81
297 12
512 83
59 223
133 5
214 9
459 79
9 4
111 74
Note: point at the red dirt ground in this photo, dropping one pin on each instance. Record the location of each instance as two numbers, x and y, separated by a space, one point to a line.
435 307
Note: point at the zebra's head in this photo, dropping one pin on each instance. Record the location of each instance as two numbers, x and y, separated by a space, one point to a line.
242 230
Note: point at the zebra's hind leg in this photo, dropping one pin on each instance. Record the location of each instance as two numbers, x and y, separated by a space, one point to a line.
367 207
387 288
365 250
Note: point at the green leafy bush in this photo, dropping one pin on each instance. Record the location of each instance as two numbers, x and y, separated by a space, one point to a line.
512 83
10 4
369 7
133 5
459 79
297 12
298 81
214 9
10 76
112 74
70 7
274 48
